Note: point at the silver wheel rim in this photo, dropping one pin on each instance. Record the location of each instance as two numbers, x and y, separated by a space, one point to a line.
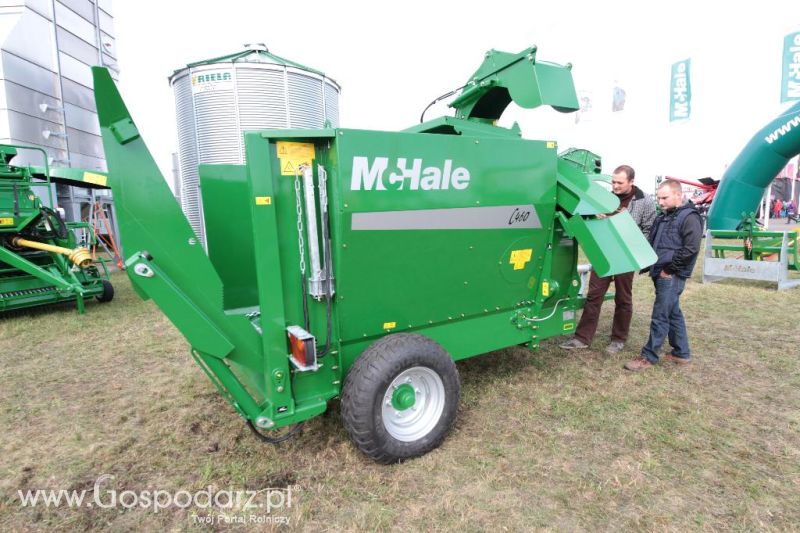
415 422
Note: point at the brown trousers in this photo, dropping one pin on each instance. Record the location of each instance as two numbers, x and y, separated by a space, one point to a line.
623 310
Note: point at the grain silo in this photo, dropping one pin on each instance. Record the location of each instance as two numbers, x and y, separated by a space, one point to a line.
218 99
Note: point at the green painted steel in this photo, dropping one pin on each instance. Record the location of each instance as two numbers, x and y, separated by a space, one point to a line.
586 161
32 277
403 397
752 243
454 229
580 194
746 179
757 246
503 78
229 232
458 126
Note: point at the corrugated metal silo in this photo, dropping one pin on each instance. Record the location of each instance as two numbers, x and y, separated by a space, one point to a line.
218 99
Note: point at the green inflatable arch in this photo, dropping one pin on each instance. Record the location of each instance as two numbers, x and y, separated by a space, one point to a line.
744 182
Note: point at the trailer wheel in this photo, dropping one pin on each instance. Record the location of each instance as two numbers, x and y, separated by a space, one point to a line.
400 397
108 292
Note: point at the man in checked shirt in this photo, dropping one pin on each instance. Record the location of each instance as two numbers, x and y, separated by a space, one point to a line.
643 210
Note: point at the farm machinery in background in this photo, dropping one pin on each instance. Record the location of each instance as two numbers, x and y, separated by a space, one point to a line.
750 252
361 264
43 259
705 189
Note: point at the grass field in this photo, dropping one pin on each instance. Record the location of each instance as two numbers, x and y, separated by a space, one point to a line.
544 440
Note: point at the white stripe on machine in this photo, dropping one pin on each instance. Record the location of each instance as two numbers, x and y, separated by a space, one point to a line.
495 217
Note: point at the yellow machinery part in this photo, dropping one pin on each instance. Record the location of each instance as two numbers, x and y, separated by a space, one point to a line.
80 256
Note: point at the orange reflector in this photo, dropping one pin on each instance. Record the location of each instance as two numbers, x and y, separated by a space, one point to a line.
303 348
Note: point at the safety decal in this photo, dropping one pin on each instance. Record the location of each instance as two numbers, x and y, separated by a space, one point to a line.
294 154
519 258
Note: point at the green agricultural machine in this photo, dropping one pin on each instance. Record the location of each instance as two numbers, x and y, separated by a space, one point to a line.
42 261
362 264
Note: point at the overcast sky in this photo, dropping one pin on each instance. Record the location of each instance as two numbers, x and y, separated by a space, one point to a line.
392 58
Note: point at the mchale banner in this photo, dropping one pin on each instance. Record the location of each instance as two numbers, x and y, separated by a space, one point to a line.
680 91
790 78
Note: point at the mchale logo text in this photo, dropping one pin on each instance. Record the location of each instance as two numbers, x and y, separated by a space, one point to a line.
410 175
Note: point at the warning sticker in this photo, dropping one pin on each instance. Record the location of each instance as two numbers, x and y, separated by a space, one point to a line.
519 258
263 200
292 155
545 288
6 221
389 325
97 179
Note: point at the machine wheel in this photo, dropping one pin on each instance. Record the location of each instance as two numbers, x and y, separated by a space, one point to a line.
108 292
400 397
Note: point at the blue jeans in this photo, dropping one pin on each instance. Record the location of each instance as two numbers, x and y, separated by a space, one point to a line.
667 320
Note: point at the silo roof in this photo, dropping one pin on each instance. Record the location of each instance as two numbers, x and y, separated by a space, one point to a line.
252 55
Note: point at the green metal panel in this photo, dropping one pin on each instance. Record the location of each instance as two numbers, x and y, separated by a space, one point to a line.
458 126
199 329
505 77
613 244
229 232
580 194
269 275
156 234
583 160
425 275
607 243
277 256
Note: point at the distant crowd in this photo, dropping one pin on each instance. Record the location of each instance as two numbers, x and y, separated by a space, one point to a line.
787 210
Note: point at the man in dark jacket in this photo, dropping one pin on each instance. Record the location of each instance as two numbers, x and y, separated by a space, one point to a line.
643 211
675 237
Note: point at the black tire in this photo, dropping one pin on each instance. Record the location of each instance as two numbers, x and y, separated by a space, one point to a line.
108 292
420 361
